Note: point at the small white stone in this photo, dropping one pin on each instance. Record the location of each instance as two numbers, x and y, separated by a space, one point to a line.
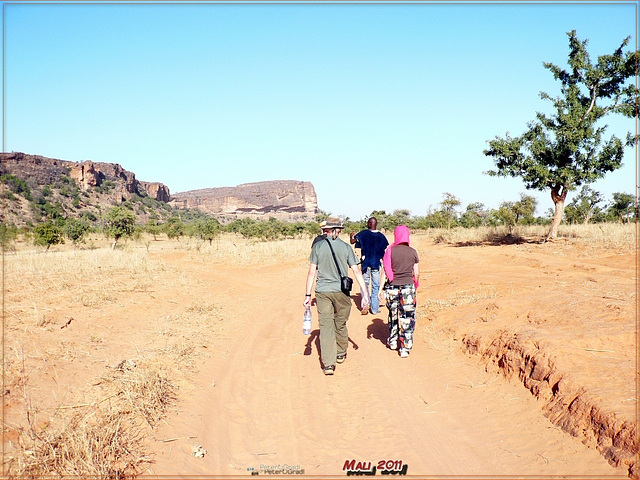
198 451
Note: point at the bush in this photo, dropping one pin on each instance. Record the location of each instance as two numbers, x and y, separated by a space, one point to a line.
17 186
76 229
47 234
119 222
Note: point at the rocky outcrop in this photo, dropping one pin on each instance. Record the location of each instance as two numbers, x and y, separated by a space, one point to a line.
281 199
87 174
156 190
36 168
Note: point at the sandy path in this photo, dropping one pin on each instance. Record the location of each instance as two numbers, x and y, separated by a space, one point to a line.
437 411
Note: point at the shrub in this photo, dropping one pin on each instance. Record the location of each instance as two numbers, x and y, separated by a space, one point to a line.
76 229
47 234
119 222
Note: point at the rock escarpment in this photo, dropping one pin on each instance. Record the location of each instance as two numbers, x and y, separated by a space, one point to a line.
281 199
288 200
87 174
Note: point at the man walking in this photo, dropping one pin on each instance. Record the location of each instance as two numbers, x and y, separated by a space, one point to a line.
372 244
332 303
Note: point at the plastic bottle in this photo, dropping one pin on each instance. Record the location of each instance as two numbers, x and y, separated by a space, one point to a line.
306 321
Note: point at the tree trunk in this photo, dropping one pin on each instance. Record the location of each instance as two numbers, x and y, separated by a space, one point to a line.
558 195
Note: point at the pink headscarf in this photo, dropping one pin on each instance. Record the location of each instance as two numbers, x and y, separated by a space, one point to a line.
400 235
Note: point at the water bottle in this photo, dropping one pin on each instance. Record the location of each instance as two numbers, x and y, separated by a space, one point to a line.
306 321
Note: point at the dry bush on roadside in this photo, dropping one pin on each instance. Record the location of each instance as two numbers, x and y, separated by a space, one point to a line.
102 439
95 442
142 390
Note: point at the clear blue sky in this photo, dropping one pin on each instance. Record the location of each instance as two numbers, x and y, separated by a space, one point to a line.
380 106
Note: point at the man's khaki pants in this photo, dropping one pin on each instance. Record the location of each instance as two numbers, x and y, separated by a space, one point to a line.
333 313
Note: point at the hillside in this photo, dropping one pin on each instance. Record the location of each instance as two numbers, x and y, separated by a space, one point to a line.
38 188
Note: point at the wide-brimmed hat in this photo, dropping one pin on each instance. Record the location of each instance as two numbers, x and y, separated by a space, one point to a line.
333 222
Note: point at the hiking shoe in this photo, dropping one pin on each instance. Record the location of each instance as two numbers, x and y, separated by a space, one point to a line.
329 369
341 358
404 353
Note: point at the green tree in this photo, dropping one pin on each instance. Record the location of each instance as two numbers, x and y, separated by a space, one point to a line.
321 216
562 151
524 208
449 204
17 186
473 215
9 235
47 234
119 222
208 229
506 215
623 207
75 230
584 206
174 228
153 228
398 217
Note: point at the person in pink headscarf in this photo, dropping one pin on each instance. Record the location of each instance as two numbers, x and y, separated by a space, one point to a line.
400 264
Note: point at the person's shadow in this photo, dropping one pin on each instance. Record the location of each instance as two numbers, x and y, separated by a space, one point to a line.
314 338
379 330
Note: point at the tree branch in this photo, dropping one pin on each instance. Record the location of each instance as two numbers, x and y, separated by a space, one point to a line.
593 101
611 107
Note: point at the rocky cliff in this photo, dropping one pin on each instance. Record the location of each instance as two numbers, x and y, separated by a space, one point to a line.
87 174
281 199
288 200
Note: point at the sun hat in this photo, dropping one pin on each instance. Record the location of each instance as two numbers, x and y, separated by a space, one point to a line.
333 222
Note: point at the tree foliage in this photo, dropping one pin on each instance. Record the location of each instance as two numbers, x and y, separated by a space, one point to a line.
624 206
47 234
583 206
119 222
568 148
75 229
207 229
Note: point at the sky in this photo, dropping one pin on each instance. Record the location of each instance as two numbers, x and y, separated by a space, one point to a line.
382 106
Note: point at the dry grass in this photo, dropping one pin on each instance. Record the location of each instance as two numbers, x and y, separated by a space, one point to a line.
143 390
58 269
96 443
234 248
432 305
82 430
608 234
101 439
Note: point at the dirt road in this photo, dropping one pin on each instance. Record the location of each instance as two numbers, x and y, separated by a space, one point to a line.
261 400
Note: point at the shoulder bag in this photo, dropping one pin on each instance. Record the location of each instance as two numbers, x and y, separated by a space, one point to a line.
346 283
